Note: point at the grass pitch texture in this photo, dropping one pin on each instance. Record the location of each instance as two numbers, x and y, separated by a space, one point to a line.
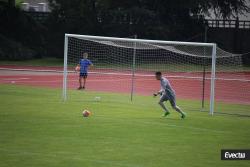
37 129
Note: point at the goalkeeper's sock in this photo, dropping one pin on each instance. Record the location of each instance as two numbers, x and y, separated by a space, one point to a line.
166 114
183 115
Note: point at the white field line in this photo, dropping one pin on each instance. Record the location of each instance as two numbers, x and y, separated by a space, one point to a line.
14 79
55 81
76 80
31 70
129 74
58 81
92 80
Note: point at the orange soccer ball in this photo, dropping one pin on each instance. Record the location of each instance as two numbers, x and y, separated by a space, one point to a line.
86 113
77 68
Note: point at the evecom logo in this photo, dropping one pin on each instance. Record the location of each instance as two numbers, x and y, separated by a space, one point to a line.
235 154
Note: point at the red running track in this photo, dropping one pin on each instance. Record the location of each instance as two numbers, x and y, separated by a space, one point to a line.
230 87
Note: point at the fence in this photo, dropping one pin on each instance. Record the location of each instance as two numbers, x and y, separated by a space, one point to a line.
228 24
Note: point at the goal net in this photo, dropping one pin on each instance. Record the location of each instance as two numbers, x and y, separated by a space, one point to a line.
232 83
123 65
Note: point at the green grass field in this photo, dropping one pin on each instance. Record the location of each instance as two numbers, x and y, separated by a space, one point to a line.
37 129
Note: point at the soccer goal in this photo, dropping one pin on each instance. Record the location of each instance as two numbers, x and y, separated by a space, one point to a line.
197 71
125 65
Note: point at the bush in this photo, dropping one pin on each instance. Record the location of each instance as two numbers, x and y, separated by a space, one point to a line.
21 37
12 50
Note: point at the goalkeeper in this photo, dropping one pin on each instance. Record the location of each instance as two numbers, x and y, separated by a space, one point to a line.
167 93
83 65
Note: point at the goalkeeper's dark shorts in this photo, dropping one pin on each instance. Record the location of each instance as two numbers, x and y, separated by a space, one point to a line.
83 75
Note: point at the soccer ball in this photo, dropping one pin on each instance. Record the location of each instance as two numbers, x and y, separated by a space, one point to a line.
77 68
86 113
97 98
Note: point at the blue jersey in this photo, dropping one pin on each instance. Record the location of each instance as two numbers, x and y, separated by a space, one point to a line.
84 64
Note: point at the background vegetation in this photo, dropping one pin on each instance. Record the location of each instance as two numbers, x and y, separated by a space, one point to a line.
23 38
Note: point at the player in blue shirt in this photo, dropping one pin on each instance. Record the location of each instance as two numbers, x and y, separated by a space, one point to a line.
167 93
83 65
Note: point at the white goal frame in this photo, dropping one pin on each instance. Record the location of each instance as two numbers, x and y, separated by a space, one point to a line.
211 45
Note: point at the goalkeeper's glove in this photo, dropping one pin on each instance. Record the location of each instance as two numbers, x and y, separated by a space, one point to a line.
155 94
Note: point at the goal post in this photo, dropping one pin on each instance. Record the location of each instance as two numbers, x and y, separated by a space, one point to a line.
133 72
212 91
65 68
137 59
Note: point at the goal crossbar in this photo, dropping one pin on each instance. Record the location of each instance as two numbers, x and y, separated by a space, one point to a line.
142 40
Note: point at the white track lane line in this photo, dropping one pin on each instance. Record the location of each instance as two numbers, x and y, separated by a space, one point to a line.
14 79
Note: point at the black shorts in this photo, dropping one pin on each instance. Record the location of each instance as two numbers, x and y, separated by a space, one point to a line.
84 75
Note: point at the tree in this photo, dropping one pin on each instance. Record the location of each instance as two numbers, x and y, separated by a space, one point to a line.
12 2
162 12
153 19
21 37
